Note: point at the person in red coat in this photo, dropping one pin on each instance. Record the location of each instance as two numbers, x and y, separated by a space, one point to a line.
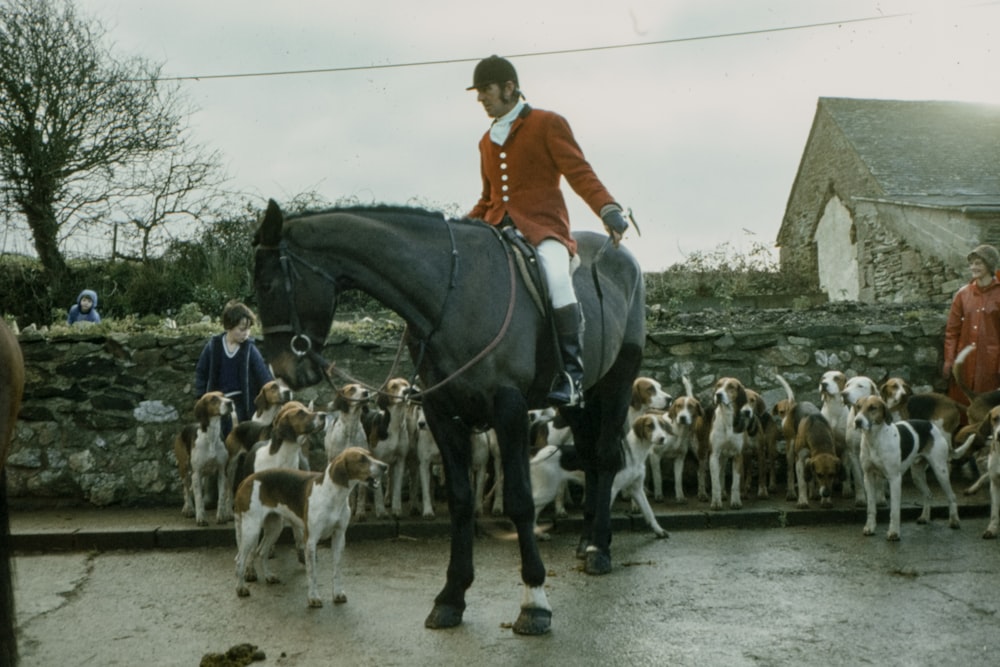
974 319
523 156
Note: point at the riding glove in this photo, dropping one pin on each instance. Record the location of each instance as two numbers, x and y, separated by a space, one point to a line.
611 216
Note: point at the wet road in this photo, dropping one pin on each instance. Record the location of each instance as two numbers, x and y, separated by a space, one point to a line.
810 595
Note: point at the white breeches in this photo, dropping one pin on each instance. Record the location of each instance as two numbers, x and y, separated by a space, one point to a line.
555 262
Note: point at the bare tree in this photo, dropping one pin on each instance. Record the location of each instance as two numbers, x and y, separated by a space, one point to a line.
76 124
173 190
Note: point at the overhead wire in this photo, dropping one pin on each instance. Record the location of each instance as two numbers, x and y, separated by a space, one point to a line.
532 54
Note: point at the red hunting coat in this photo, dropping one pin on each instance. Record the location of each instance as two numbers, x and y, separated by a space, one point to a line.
521 178
974 318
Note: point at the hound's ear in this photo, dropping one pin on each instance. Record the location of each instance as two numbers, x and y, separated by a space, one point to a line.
269 232
635 401
886 414
283 430
741 396
260 403
201 413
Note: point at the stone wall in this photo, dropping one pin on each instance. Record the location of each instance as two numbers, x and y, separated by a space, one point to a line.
101 411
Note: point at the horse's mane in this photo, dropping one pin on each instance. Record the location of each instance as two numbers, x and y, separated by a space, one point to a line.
375 209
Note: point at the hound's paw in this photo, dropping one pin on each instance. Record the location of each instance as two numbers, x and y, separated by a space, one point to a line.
202 521
339 598
661 534
272 579
802 505
868 531
314 603
990 534
242 591
892 536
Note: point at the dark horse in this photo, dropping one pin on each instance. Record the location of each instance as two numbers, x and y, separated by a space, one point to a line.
483 351
11 390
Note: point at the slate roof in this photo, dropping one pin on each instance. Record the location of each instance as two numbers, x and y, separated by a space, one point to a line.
929 153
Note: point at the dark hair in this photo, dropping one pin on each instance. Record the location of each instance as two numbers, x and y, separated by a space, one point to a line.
234 313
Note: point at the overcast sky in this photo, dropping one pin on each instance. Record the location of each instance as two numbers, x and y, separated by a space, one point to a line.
697 126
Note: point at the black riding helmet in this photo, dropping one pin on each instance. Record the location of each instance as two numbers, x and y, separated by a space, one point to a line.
493 70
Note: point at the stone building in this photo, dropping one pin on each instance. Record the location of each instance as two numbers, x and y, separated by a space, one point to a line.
890 196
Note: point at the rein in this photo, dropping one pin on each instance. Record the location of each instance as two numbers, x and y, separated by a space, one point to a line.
301 344
508 317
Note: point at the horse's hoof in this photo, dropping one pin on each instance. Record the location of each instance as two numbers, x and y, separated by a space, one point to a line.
533 621
597 562
581 548
443 616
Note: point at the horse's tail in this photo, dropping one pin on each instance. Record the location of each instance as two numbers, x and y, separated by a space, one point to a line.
8 638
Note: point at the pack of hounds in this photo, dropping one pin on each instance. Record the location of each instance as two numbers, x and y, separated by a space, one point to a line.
857 443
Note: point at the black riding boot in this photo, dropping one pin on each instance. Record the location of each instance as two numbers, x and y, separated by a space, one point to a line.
567 388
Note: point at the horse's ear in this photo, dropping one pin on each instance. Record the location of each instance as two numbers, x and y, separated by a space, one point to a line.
269 233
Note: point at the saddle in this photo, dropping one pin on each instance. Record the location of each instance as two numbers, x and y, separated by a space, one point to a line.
527 265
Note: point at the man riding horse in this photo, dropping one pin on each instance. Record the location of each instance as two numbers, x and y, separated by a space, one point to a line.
522 157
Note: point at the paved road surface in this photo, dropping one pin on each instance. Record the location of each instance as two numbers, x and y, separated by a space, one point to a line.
800 595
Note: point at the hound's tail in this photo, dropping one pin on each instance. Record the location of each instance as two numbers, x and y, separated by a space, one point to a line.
956 371
788 389
687 386
963 450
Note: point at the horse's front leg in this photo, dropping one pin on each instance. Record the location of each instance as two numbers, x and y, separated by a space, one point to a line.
453 441
512 437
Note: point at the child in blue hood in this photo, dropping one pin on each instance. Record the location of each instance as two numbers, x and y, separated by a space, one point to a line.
85 308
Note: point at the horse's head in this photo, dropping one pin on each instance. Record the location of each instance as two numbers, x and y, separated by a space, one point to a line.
296 301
